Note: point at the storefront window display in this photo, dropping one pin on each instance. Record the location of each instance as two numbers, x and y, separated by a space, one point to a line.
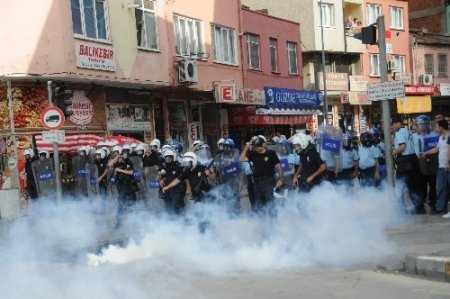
178 121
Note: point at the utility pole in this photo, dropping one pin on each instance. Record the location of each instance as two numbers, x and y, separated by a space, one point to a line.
324 77
55 149
385 108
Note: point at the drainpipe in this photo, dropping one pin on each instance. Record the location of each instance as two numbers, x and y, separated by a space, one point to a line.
241 44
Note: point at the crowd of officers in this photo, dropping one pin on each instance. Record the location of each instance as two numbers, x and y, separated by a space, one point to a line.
168 177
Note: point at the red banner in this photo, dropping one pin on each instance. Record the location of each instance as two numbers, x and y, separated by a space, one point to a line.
246 116
411 90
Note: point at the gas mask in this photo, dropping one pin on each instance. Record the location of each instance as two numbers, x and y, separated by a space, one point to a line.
125 155
98 157
42 157
140 153
226 149
82 153
28 157
168 159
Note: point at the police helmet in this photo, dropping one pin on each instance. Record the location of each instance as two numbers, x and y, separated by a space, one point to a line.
155 143
140 149
366 139
422 119
44 152
177 146
258 141
169 155
188 158
28 152
100 153
127 148
220 142
83 150
118 149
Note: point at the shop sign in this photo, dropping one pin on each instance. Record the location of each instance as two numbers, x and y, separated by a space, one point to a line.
128 117
358 83
386 90
245 117
251 97
57 136
345 98
359 98
389 48
82 109
225 130
193 131
282 98
225 93
95 56
445 89
335 81
405 77
419 90
414 104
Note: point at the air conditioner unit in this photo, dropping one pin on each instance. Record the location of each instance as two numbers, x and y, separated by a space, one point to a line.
187 71
392 65
426 79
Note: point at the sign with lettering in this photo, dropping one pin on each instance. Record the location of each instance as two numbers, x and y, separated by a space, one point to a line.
412 90
231 170
335 81
444 89
251 97
332 145
430 142
82 172
45 176
358 83
386 90
407 78
58 136
225 93
282 98
95 56
82 109
153 184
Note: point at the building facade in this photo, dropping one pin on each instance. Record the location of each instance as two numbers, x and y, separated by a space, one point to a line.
432 16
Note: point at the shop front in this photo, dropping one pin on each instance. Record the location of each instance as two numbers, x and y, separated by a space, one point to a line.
336 84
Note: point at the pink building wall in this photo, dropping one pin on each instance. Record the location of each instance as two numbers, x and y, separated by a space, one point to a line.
271 27
399 38
418 61
221 12
41 41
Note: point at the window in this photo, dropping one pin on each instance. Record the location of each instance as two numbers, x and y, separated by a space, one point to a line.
189 37
89 18
399 62
373 12
429 64
274 54
146 24
374 64
224 44
327 13
396 17
442 65
253 51
292 57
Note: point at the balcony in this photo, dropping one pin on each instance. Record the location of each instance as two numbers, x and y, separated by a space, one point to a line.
354 1
354 45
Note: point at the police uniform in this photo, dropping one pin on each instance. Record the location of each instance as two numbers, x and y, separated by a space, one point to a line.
247 168
263 168
310 162
349 157
126 197
102 165
31 183
154 159
197 180
228 177
174 197
368 157
330 160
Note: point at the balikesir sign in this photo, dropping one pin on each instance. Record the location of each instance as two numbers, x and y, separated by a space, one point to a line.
95 56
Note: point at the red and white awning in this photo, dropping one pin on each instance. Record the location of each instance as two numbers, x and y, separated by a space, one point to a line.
72 143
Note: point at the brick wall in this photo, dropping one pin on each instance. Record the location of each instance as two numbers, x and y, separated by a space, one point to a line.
432 24
417 5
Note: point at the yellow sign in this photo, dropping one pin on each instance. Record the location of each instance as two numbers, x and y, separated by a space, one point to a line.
413 104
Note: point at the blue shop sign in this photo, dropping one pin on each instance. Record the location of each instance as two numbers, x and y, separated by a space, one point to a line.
430 142
282 98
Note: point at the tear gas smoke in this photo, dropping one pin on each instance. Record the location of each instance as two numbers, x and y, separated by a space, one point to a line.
50 253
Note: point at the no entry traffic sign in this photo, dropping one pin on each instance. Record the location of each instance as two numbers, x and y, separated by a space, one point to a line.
52 118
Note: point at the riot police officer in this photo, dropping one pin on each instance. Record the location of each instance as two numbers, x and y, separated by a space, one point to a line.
31 184
101 164
368 154
123 172
80 171
349 160
44 175
170 170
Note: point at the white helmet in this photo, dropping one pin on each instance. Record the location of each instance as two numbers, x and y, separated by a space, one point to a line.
106 150
275 139
197 142
221 141
133 147
165 147
170 152
301 139
155 143
127 147
189 157
118 149
100 152
140 148
29 152
46 152
83 149
278 193
261 136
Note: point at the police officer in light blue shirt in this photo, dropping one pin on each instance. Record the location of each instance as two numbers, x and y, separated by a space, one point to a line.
407 164
349 160
424 140
368 161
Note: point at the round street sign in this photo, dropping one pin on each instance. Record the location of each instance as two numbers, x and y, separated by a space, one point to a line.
52 118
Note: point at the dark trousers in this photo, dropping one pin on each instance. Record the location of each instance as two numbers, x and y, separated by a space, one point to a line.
426 185
126 200
32 190
174 200
263 193
330 176
367 177
346 177
442 180
251 192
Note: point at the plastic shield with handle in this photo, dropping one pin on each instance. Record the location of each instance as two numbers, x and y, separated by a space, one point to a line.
151 182
44 175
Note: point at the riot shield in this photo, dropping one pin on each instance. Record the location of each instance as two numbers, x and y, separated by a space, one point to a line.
138 174
229 172
287 160
330 147
92 184
204 156
112 193
81 175
44 176
151 182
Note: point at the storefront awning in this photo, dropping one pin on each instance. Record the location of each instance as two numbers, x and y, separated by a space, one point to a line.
246 116
414 104
71 144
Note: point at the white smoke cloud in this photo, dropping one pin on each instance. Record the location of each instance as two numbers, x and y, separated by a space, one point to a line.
50 253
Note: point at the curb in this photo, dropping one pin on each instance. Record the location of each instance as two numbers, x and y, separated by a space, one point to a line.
434 267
